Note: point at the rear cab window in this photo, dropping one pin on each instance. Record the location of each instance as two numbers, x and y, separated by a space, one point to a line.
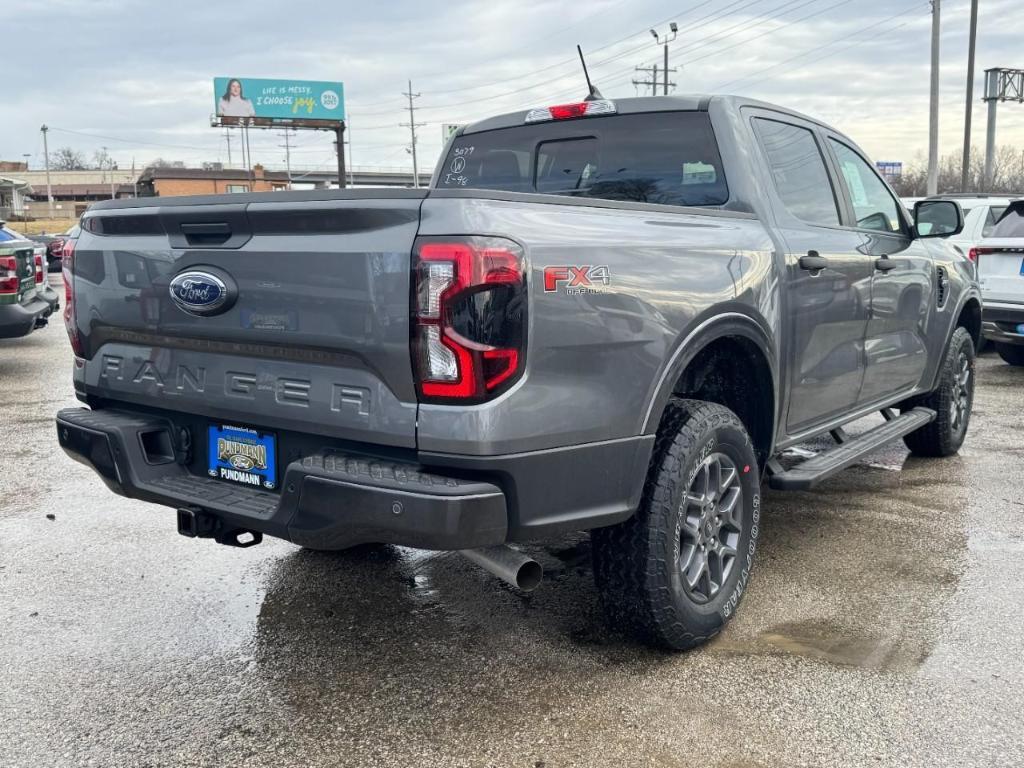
668 158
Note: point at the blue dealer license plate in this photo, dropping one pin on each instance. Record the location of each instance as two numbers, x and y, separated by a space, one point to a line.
243 456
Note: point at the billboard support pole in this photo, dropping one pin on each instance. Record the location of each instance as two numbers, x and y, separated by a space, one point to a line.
340 146
248 153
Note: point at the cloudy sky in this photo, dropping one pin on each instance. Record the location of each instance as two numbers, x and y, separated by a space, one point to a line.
135 75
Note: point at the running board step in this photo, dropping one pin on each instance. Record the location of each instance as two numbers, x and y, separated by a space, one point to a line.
809 473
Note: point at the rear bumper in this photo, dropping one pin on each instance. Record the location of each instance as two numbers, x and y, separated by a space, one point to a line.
329 500
19 319
334 498
1000 321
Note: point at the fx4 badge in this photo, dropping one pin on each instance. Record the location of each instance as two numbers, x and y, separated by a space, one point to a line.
577 280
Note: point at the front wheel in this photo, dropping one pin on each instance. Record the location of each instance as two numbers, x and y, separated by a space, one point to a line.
951 400
674 573
1011 353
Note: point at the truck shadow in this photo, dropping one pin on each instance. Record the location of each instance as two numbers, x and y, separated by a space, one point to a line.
853 575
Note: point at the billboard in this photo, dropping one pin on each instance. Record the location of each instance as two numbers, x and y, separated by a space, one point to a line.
278 100
890 169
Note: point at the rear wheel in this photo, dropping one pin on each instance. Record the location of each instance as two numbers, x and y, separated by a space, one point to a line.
1011 353
674 573
951 401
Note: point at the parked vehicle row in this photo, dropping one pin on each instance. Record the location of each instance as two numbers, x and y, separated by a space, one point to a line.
993 238
55 245
25 300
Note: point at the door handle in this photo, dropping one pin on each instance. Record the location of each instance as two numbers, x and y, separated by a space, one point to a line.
884 264
813 261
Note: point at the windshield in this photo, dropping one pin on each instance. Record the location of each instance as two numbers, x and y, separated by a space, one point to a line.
670 158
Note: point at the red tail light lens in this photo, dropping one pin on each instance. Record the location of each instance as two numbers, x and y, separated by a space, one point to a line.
9 279
974 253
469 319
67 272
40 270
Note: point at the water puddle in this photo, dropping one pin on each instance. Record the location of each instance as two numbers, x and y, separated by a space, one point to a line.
830 643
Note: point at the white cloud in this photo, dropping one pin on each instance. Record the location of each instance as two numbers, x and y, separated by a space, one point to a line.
138 73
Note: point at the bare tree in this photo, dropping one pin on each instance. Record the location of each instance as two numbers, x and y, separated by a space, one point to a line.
101 160
67 159
1007 174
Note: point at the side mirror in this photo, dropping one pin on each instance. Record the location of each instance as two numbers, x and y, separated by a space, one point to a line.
938 218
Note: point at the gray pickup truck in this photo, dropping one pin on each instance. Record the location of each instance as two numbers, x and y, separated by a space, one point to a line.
610 316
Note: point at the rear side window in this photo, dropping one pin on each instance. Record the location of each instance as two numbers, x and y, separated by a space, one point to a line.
798 170
669 158
993 215
1011 222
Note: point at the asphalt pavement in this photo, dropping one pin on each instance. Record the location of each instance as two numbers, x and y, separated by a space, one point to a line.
883 626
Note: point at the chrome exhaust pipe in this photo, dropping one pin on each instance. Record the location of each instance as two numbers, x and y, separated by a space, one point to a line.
509 565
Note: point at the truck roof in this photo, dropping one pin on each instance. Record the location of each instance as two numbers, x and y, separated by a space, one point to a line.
636 104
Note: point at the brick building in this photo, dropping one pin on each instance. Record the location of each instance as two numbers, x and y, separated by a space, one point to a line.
170 182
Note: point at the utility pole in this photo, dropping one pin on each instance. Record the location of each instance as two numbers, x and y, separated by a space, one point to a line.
413 125
965 167
46 163
664 41
1000 85
287 157
653 82
933 107
227 138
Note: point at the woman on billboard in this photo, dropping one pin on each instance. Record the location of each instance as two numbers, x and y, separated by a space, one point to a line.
233 103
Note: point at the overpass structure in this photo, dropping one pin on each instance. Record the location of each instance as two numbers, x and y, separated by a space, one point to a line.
358 176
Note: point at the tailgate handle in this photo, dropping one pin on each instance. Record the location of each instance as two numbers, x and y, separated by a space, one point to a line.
206 233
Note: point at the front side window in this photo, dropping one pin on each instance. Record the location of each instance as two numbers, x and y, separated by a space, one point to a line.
873 205
798 171
670 158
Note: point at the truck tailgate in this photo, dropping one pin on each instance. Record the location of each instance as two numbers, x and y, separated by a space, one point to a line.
314 336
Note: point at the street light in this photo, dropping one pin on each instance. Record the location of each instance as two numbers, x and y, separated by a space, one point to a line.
664 41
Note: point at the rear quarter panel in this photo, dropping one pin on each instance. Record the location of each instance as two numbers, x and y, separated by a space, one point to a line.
595 360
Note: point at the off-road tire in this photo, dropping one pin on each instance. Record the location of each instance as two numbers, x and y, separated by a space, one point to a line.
1011 353
946 433
637 565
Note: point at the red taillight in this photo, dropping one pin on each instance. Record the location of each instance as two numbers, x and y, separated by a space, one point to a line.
571 111
9 279
67 272
469 317
40 268
974 253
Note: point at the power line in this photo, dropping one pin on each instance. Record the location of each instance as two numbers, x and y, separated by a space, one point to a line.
763 71
129 141
769 31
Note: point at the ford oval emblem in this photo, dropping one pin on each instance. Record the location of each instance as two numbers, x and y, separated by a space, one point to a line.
199 292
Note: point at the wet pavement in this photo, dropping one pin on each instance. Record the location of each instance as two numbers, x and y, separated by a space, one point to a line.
883 626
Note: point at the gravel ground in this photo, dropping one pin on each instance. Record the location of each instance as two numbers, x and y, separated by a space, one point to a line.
882 627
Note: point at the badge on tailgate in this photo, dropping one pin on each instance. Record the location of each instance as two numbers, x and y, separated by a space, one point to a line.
242 455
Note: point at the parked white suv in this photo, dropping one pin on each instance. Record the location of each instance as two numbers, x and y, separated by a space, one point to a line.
981 212
999 256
